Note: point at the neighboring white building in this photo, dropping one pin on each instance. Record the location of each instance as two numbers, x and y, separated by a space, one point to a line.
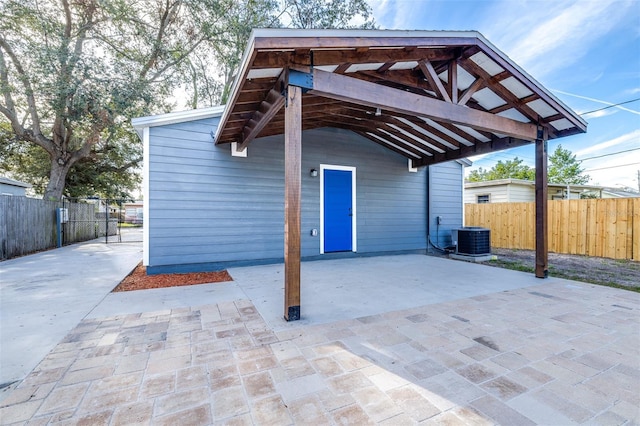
522 191
13 187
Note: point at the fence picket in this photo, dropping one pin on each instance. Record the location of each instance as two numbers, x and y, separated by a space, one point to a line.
601 227
28 225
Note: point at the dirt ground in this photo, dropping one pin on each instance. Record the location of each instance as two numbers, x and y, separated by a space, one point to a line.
595 270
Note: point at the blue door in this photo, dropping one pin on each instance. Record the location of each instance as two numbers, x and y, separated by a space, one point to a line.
338 211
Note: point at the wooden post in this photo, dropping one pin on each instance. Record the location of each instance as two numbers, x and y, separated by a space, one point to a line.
292 195
542 235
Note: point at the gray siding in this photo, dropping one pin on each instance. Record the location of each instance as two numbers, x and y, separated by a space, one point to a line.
445 200
208 208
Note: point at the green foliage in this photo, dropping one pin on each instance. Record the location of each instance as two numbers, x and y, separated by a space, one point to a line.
509 169
329 13
111 172
72 74
565 168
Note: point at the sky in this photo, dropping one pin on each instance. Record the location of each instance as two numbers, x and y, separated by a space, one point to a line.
586 52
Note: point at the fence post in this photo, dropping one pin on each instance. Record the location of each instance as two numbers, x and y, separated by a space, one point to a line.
106 221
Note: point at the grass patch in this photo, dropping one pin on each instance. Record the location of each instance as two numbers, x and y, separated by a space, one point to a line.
516 265
130 225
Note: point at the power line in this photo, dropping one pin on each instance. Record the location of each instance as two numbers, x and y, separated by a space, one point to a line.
606 155
610 106
611 167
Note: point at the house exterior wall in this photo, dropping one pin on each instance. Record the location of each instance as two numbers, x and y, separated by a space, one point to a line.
445 182
209 209
497 194
8 189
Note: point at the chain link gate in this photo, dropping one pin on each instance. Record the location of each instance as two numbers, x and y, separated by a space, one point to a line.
91 218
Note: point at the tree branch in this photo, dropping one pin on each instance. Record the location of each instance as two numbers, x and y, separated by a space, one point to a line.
24 79
167 15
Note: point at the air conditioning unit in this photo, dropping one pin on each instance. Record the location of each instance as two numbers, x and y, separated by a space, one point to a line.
472 240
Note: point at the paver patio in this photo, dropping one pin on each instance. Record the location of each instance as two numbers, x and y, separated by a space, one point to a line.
556 353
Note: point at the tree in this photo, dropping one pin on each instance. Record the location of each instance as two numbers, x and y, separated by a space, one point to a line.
249 14
565 168
328 13
73 73
513 169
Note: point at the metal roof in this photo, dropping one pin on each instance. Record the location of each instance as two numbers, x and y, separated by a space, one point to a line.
461 71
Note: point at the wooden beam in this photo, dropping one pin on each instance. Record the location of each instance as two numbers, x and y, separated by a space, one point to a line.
292 197
434 80
498 144
364 55
314 42
542 235
475 86
268 109
452 86
364 93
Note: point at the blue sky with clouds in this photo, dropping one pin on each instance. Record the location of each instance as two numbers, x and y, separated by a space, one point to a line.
587 52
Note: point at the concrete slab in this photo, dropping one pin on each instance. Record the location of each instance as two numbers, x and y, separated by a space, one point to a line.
334 290
43 296
158 299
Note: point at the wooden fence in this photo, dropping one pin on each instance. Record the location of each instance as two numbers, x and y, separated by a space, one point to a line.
28 225
601 228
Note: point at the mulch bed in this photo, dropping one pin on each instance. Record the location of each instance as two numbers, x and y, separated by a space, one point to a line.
139 280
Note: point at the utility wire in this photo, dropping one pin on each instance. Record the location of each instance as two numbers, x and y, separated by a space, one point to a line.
606 155
611 167
610 106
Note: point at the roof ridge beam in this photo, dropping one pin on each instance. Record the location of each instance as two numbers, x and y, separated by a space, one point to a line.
361 92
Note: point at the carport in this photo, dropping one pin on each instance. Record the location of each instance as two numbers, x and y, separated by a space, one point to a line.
428 96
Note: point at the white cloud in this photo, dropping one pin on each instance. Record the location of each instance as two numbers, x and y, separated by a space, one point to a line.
545 36
597 114
616 171
620 140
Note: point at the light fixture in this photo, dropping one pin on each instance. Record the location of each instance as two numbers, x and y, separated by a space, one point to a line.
313 173
378 112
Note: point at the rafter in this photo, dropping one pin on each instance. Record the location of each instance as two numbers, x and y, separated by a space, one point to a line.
430 73
353 90
394 122
466 95
511 99
268 109
498 144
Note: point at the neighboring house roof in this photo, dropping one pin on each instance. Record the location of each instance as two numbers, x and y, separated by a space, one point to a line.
7 181
615 192
431 96
523 182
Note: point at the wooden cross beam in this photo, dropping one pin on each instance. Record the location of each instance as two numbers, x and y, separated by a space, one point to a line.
350 89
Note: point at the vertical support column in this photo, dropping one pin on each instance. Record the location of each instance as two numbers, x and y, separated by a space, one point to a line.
453 81
542 234
292 195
